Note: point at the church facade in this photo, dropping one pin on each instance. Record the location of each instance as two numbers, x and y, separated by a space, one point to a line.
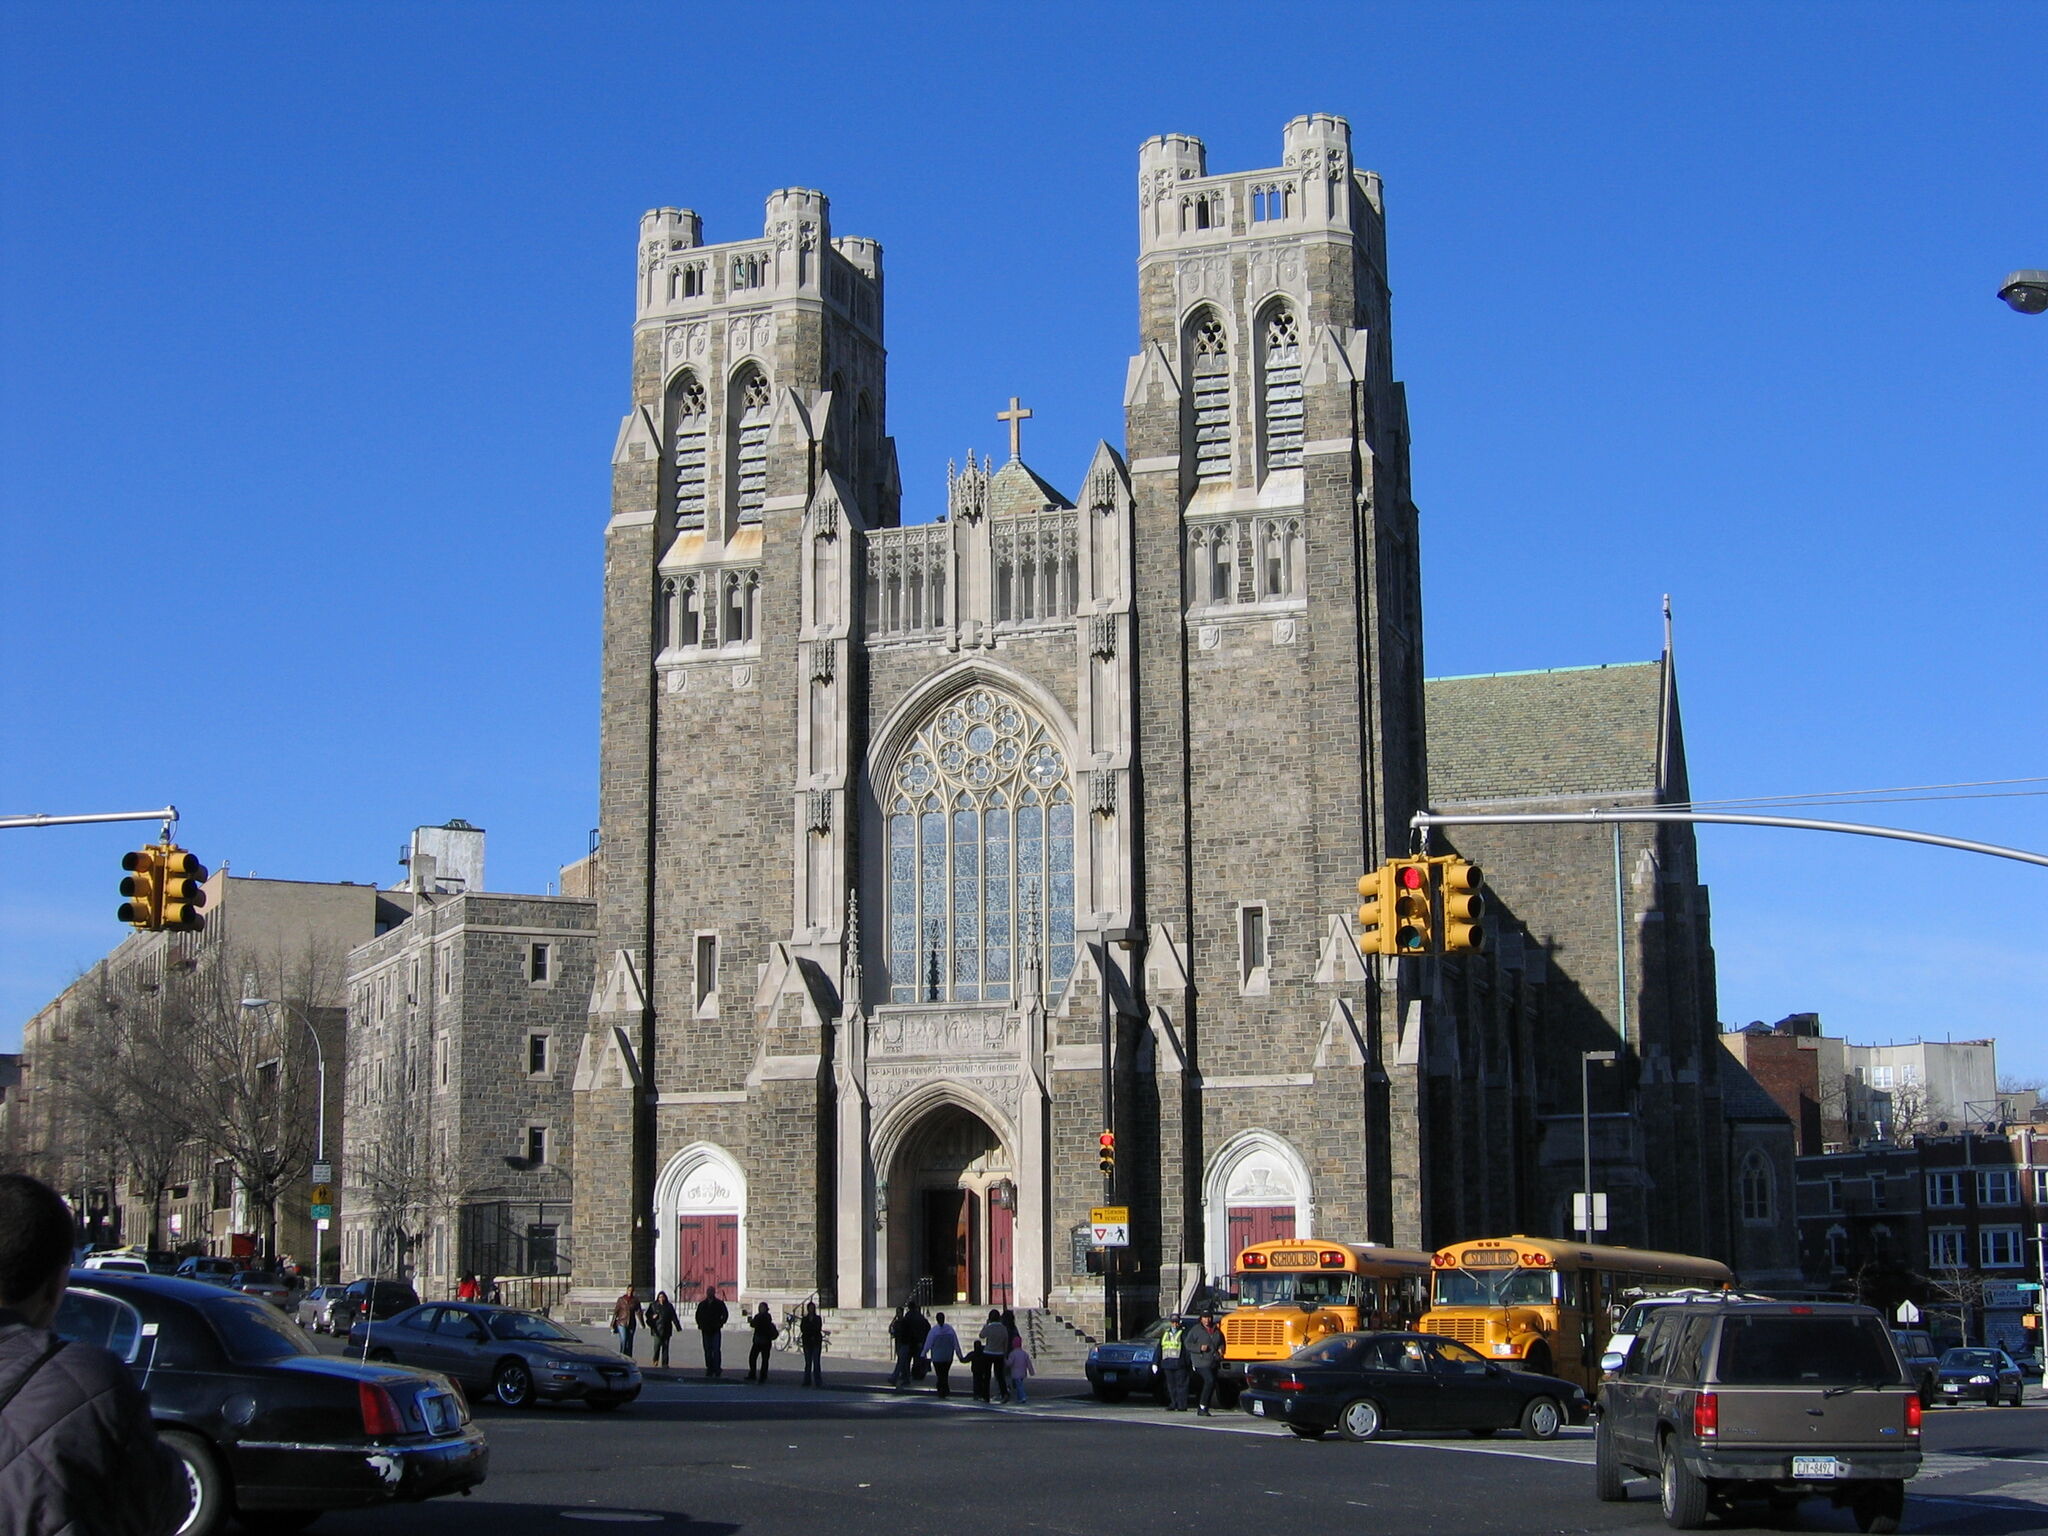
931 851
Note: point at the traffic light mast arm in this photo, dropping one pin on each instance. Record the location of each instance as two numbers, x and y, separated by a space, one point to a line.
1422 821
167 815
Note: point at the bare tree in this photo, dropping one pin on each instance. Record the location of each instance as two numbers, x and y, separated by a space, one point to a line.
1961 1289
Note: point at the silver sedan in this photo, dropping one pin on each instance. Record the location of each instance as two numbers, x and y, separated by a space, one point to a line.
516 1357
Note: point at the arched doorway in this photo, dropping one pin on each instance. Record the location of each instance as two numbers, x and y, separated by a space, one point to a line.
952 1196
1258 1191
700 1203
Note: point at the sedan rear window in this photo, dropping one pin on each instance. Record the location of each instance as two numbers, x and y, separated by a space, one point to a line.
1804 1351
252 1331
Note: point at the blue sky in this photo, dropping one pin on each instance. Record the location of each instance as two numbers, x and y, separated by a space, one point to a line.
313 343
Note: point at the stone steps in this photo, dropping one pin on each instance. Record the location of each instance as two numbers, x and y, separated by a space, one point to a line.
862 1333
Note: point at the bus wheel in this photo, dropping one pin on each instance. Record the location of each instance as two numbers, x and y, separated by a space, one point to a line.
1538 1358
1541 1419
1361 1420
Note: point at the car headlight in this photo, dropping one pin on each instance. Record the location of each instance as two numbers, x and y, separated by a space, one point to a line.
562 1365
1980 1381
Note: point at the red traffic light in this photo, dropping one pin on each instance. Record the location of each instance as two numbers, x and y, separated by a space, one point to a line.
1107 1141
1410 876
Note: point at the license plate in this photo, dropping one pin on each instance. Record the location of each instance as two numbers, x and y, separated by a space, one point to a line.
1110 1375
1952 1386
1259 1409
1816 1466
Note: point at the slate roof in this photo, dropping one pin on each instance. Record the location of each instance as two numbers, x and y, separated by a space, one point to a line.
1521 735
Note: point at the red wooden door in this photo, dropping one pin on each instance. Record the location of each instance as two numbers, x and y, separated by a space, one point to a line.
1002 1230
707 1253
966 1250
1258 1224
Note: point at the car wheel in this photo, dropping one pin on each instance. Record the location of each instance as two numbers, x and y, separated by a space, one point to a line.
1542 1417
1308 1431
1880 1508
206 1485
2019 1395
1683 1495
1361 1419
512 1384
1610 1478
382 1357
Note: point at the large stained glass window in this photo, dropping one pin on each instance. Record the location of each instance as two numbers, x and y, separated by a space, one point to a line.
980 810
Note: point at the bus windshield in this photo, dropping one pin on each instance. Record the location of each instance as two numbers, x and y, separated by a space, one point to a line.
1492 1288
1309 1290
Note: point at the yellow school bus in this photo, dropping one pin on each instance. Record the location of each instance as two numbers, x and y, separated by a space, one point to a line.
1296 1290
1547 1304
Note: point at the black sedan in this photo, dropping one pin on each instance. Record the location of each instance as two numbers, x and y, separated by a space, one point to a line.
517 1357
1968 1374
1118 1369
267 1429
1364 1384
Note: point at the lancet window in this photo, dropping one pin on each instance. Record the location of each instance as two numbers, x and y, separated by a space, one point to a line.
1281 393
1280 572
1037 575
980 813
1208 350
689 420
750 401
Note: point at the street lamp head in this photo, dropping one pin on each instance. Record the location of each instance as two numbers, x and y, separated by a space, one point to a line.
2026 292
255 1002
1600 1055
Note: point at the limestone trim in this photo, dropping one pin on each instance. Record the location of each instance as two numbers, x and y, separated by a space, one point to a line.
712 1097
703 1179
1260 1080
1254 1167
894 1124
623 520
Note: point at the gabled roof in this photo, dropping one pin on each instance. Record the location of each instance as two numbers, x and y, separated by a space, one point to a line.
1521 735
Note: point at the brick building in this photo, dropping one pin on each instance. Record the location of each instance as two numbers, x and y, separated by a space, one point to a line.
900 818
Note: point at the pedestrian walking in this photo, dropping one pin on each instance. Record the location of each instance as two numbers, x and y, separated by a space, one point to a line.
662 1323
941 1347
1204 1346
468 1290
711 1319
992 1381
765 1334
626 1317
900 1345
77 1449
918 1328
1018 1363
810 1334
1173 1364
494 1293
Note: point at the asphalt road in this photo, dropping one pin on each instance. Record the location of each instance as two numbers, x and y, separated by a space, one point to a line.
716 1459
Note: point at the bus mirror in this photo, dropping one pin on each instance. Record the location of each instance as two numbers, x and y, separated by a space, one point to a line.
1612 1360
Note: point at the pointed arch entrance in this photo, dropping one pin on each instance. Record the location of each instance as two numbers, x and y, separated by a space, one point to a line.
951 1209
700 1204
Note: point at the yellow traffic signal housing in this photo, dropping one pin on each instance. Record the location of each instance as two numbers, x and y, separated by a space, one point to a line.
1461 904
1106 1158
183 893
1414 904
142 888
1376 911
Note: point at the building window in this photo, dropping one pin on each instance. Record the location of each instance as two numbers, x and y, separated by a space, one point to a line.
749 417
682 614
540 959
447 965
2041 1186
1756 1188
980 829
1999 1248
689 425
1944 1189
1945 1248
1280 572
1251 946
742 602
1880 1077
536 1144
223 1185
749 272
1838 1248
1280 392
1208 353
537 1055
1880 1192
707 971
441 1062
1998 1186
1835 1195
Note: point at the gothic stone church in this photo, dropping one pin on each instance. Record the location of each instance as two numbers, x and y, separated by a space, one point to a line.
898 819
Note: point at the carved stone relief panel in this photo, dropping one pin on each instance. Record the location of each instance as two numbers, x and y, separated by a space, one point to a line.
1202 277
948 1032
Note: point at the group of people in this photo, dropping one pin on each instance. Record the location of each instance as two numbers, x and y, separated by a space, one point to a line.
1190 1349
997 1361
661 1320
484 1288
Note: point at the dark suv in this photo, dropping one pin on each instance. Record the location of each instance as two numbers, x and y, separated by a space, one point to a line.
382 1298
1773 1400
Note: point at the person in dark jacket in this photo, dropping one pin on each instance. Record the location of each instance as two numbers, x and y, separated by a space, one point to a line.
810 1333
711 1318
765 1332
662 1322
78 1452
1204 1345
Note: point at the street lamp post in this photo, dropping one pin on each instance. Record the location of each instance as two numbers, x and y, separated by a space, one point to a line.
320 1103
1586 1060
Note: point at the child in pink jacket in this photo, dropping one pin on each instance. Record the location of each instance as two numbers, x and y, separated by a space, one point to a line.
1019 1362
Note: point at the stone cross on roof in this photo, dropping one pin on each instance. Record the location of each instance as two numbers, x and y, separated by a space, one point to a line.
1016 416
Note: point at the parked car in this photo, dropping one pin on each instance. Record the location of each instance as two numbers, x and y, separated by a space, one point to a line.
211 1271
380 1298
516 1357
265 1427
1921 1359
1773 1400
1639 1312
1118 1369
1365 1384
318 1307
264 1286
118 1262
1987 1373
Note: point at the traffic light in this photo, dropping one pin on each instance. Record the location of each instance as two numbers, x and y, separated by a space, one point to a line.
1105 1159
1413 900
1376 911
183 894
1460 905
142 888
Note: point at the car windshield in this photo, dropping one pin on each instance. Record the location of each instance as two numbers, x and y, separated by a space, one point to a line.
1970 1360
1491 1287
1804 1351
1314 1290
253 1331
527 1325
